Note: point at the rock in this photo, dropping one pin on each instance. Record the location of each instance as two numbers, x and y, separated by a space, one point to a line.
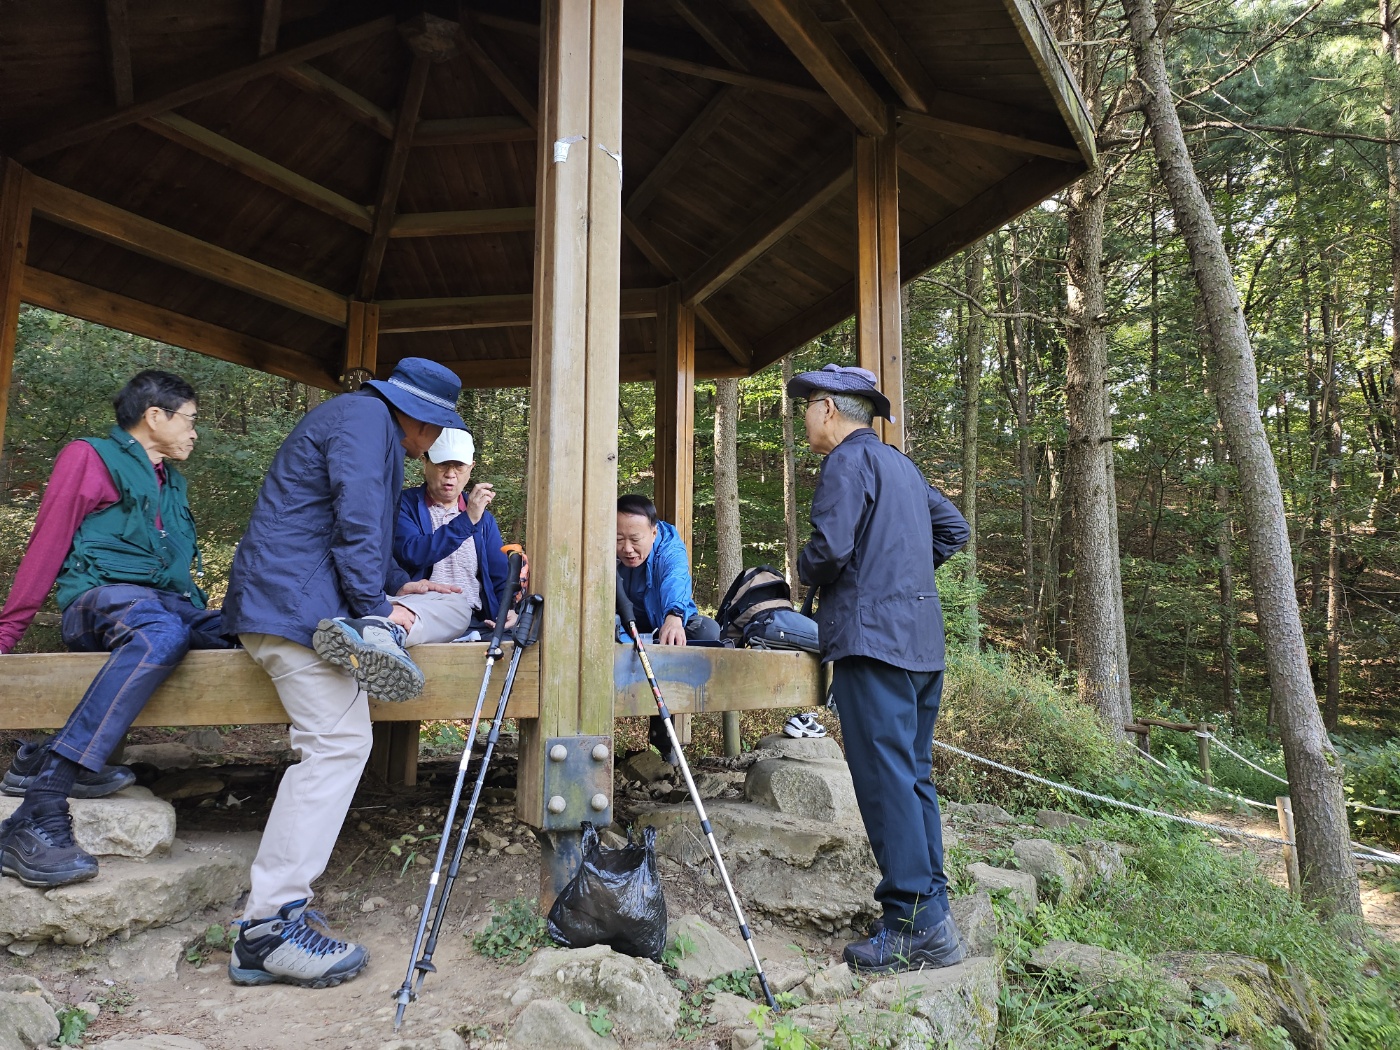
711 785
1254 995
131 823
128 895
24 949
515 849
23 984
1102 860
638 996
611 839
1058 875
548 1022
855 1025
797 871
185 784
959 1003
150 1042
447 1039
1019 884
162 756
491 840
203 740
1053 818
27 1020
711 954
834 982
1092 965
813 749
646 766
782 976
370 904
977 922
988 813
730 1010
153 955
820 791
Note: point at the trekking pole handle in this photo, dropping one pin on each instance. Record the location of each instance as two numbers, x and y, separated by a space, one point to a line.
527 628
624 606
513 563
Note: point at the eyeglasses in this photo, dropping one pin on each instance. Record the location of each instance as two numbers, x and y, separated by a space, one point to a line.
800 404
190 416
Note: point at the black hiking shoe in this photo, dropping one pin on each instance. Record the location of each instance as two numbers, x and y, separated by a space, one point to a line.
39 849
887 951
288 949
30 757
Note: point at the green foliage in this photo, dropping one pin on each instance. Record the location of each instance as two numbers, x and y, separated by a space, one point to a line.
737 982
681 946
217 938
784 1034
515 931
72 1026
598 1018
1373 779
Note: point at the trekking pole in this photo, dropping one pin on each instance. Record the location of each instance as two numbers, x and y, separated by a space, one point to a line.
629 619
493 653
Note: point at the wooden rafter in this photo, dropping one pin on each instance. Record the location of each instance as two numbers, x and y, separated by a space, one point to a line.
269 26
472 131
397 316
1009 131
391 180
77 211
118 19
241 159
814 46
719 29
715 113
463 223
332 91
738 350
503 79
896 61
201 85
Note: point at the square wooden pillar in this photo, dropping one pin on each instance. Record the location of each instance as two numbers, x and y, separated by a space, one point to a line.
361 344
673 463
879 332
572 510
14 246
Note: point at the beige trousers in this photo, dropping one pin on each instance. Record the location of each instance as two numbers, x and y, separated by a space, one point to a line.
330 732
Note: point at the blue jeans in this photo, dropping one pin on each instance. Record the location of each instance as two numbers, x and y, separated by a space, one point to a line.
887 716
148 633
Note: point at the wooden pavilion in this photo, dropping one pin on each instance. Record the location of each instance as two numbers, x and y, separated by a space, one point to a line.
556 193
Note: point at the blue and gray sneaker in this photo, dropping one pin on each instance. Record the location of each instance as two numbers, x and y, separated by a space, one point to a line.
371 649
288 949
888 951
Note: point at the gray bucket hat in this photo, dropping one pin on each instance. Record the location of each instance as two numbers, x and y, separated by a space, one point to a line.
841 379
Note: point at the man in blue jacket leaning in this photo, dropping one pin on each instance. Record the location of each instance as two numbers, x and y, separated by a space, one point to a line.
879 530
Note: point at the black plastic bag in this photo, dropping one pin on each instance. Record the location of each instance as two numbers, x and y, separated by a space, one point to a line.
614 899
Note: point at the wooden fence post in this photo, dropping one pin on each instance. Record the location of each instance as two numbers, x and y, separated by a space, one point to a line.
1290 853
1203 751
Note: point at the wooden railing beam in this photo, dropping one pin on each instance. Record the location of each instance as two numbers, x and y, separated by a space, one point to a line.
337 95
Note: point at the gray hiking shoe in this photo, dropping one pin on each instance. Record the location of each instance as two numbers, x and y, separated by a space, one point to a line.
371 649
288 949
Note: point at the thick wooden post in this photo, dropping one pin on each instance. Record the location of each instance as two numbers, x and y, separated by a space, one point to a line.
879 333
572 515
14 245
673 462
361 344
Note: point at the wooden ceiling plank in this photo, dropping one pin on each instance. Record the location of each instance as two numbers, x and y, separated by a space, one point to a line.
347 102
640 234
1018 142
816 188
735 347
391 180
398 316
197 89
814 46
118 18
241 159
270 26
472 131
715 113
894 59
66 296
501 78
464 223
719 30
88 215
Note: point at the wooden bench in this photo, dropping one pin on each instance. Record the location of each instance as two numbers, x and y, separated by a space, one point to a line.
225 687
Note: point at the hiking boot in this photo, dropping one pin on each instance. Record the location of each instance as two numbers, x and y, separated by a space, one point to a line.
371 649
30 757
39 850
888 951
287 948
804 726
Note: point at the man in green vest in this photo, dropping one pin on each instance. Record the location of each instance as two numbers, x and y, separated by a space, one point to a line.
114 530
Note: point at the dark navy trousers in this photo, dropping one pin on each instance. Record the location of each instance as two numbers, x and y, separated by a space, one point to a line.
148 632
887 716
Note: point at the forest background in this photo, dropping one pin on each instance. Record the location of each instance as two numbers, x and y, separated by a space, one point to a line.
1285 107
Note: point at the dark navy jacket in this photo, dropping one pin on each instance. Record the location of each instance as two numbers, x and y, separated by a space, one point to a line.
879 529
320 542
417 548
662 583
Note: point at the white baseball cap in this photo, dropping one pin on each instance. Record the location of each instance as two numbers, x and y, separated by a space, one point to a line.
453 446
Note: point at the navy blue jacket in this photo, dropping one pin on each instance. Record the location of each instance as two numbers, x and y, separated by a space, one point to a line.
417 548
662 583
320 542
879 529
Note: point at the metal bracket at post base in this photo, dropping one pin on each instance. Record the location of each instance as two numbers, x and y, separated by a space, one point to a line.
578 782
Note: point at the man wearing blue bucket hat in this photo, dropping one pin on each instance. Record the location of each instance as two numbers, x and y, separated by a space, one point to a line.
879 530
309 598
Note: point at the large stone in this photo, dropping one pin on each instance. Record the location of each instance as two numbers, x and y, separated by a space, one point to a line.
27 1018
958 1002
1019 885
169 755
547 1022
797 871
153 955
1254 996
1089 964
1053 818
1102 860
987 813
130 895
1058 875
131 823
150 1042
638 996
977 922
730 1010
709 953
814 749
851 1025
820 791
834 982
646 766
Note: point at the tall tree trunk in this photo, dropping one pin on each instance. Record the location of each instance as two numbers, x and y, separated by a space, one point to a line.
1333 405
1115 560
1009 277
1390 39
1063 608
789 480
1225 556
1314 769
728 538
975 265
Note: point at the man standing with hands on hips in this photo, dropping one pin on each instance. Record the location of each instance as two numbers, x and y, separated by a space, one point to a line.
879 530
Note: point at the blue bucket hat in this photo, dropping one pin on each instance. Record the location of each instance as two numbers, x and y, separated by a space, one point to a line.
423 390
841 379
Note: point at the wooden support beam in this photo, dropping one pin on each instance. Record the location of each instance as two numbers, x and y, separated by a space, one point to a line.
258 168
879 331
472 131
817 50
270 26
201 85
891 53
70 297
118 18
391 179
1039 39
361 345
393 757
504 80
1020 138
719 29
572 470
14 246
89 215
398 316
494 373
464 223
673 461
678 157
814 191
734 346
347 102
